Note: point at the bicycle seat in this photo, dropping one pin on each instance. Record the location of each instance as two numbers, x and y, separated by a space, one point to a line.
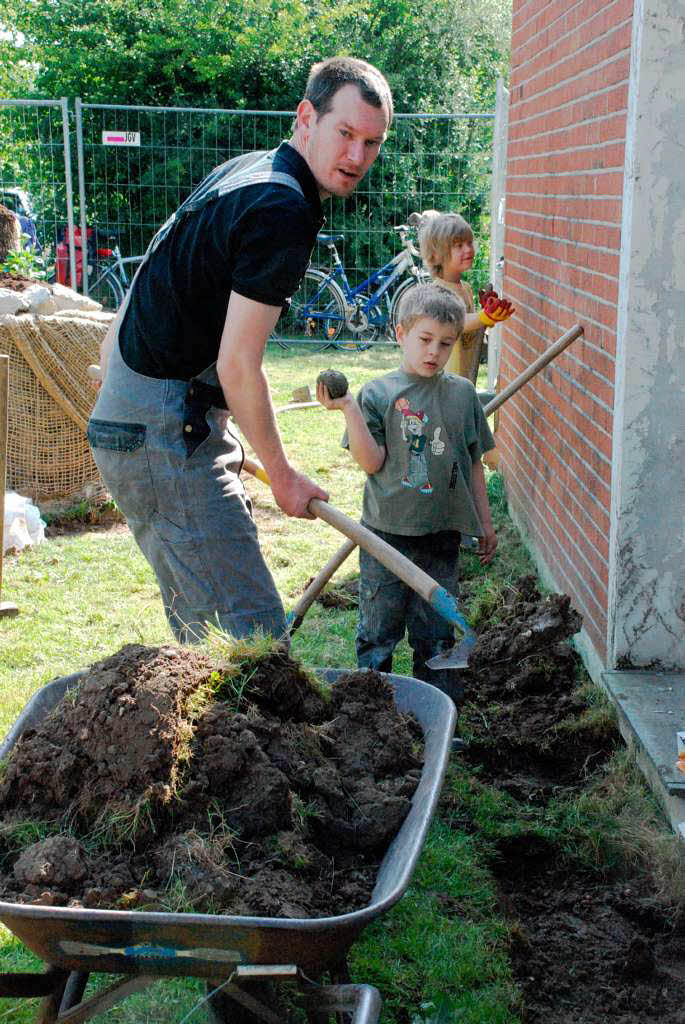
329 239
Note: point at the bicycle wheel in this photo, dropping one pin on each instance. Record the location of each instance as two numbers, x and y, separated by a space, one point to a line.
107 291
359 337
398 296
315 316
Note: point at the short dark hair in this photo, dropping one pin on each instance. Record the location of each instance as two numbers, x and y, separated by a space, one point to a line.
328 76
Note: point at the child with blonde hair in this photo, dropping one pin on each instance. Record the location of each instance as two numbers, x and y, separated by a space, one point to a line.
447 249
418 433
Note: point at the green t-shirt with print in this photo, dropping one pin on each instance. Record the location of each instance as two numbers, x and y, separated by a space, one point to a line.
433 430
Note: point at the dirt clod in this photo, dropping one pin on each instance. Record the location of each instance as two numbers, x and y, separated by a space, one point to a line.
334 381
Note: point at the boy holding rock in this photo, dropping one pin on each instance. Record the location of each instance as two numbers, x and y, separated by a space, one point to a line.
419 434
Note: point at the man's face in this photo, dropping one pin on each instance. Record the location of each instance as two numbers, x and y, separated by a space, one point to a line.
341 145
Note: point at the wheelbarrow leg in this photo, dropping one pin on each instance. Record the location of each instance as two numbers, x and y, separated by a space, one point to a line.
222 1008
49 1008
74 989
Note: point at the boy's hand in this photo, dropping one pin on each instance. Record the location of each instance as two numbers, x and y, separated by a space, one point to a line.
495 311
323 396
487 546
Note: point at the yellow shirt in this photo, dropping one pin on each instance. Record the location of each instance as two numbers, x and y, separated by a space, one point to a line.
462 354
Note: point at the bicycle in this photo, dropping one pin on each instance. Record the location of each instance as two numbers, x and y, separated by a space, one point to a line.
321 309
108 277
111 283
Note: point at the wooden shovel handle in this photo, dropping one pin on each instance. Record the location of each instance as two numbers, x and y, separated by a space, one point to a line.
318 583
425 586
402 567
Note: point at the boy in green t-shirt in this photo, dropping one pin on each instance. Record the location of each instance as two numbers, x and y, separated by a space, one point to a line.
419 434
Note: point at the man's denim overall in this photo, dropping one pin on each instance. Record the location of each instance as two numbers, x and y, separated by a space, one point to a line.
171 460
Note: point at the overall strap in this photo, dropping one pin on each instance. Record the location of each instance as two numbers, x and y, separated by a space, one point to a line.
248 169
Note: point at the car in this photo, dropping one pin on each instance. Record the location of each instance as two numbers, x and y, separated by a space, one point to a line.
19 202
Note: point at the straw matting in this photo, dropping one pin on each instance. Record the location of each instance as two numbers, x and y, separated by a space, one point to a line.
50 398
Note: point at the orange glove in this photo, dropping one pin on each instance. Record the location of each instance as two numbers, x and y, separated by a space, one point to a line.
495 311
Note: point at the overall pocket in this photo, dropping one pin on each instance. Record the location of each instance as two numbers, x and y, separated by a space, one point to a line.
122 459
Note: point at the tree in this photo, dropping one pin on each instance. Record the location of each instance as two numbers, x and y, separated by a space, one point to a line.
256 53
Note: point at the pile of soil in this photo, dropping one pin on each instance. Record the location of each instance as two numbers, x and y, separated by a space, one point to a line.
17 284
587 945
163 783
529 733
585 950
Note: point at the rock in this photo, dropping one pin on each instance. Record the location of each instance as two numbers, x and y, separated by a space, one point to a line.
40 299
12 302
67 298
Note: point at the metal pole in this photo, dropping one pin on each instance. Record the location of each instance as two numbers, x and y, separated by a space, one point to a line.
64 103
82 192
497 207
6 608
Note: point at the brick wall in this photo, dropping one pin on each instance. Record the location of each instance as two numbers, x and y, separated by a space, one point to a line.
567 119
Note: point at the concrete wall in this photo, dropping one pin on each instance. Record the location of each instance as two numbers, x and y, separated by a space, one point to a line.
567 127
647 561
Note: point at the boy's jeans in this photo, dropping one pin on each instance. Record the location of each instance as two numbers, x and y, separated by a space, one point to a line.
387 606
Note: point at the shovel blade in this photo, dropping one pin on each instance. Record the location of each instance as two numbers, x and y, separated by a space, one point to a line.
457 657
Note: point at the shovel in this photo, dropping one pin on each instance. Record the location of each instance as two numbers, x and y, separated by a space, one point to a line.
438 598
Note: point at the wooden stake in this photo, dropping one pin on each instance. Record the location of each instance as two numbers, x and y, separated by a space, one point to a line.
6 607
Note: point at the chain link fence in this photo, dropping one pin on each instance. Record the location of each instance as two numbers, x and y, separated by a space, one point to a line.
35 170
137 164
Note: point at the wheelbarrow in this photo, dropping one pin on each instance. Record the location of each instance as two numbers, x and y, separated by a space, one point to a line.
240 958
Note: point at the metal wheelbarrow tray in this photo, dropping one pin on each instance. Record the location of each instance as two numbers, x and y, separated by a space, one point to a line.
153 944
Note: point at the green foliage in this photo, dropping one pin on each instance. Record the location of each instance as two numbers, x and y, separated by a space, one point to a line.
257 53
23 263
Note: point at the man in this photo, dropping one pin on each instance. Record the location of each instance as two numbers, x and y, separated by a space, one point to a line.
188 344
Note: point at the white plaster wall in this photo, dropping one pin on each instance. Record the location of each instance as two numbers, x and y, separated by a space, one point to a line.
647 547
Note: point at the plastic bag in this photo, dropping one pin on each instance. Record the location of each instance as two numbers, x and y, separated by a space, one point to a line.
23 525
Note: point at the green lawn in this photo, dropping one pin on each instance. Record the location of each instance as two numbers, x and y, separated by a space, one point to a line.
82 597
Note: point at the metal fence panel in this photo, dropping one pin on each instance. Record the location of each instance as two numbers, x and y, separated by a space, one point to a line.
157 155
35 158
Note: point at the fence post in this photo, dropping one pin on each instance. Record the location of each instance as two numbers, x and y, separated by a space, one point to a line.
7 609
64 103
82 191
497 208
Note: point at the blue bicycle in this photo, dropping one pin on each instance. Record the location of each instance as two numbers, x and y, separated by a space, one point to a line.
326 314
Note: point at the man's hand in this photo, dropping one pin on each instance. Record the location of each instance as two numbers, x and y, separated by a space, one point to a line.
487 546
495 311
293 491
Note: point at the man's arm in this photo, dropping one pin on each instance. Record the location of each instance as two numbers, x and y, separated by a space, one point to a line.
365 450
242 378
487 544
